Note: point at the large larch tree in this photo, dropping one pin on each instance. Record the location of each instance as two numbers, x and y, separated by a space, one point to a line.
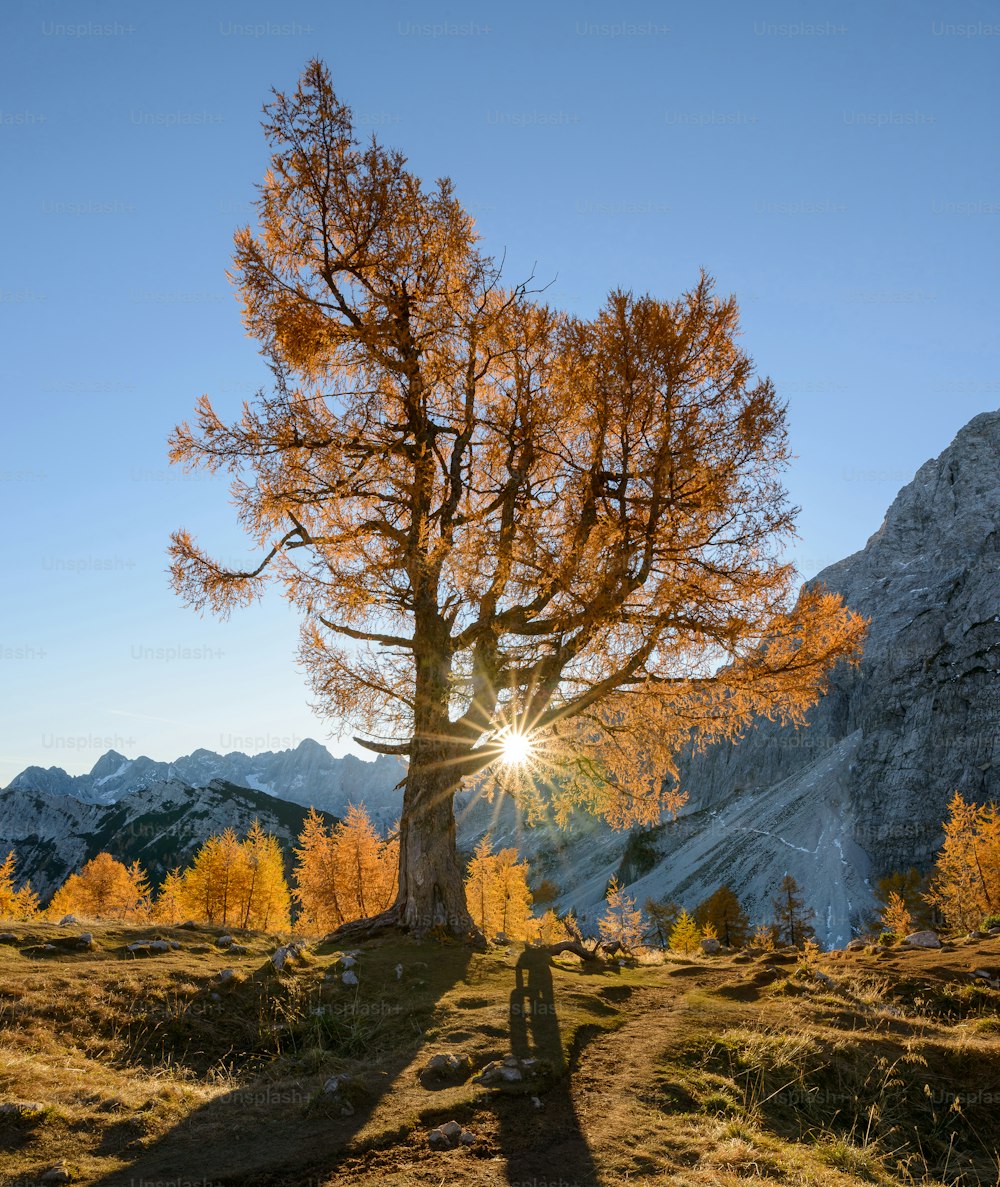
510 531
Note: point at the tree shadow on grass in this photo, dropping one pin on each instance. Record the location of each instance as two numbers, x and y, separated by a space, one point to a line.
541 1144
287 1131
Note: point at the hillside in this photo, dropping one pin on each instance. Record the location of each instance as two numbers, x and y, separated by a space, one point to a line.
863 1068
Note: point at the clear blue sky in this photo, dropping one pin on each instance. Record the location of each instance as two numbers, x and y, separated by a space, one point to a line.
833 165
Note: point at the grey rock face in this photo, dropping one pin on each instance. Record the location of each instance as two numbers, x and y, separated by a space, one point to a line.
926 697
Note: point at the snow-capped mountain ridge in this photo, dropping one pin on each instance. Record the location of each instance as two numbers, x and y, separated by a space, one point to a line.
308 775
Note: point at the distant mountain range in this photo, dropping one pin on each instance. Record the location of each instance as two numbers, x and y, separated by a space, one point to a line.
161 825
308 775
160 812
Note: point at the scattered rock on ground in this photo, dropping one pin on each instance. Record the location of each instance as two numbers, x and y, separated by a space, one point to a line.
57 1174
339 1090
85 940
442 1070
224 942
226 974
922 939
350 978
710 946
855 945
448 1136
20 1108
67 920
8 937
508 1071
287 953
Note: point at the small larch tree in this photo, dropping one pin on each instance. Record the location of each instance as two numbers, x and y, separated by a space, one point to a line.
662 914
169 903
722 911
965 885
685 935
896 917
509 530
793 920
497 894
622 922
16 902
344 871
104 888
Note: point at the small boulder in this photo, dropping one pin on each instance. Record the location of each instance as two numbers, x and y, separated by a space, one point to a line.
348 962
67 921
189 924
224 942
922 939
8 937
710 946
350 978
85 940
160 946
21 1108
238 950
226 975
57 1174
286 954
339 1091
507 1071
442 1071
855 945
448 1136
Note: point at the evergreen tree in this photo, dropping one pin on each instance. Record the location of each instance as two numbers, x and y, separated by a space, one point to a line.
792 918
722 911
684 935
663 915
965 885
15 903
622 922
169 903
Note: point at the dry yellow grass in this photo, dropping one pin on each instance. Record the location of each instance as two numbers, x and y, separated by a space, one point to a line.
881 1069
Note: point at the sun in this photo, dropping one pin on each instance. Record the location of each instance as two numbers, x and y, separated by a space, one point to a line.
517 748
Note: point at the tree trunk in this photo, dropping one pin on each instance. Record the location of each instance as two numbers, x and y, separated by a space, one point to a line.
431 887
431 894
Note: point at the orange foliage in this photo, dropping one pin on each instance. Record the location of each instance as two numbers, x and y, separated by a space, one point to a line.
344 872
493 514
104 889
966 882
